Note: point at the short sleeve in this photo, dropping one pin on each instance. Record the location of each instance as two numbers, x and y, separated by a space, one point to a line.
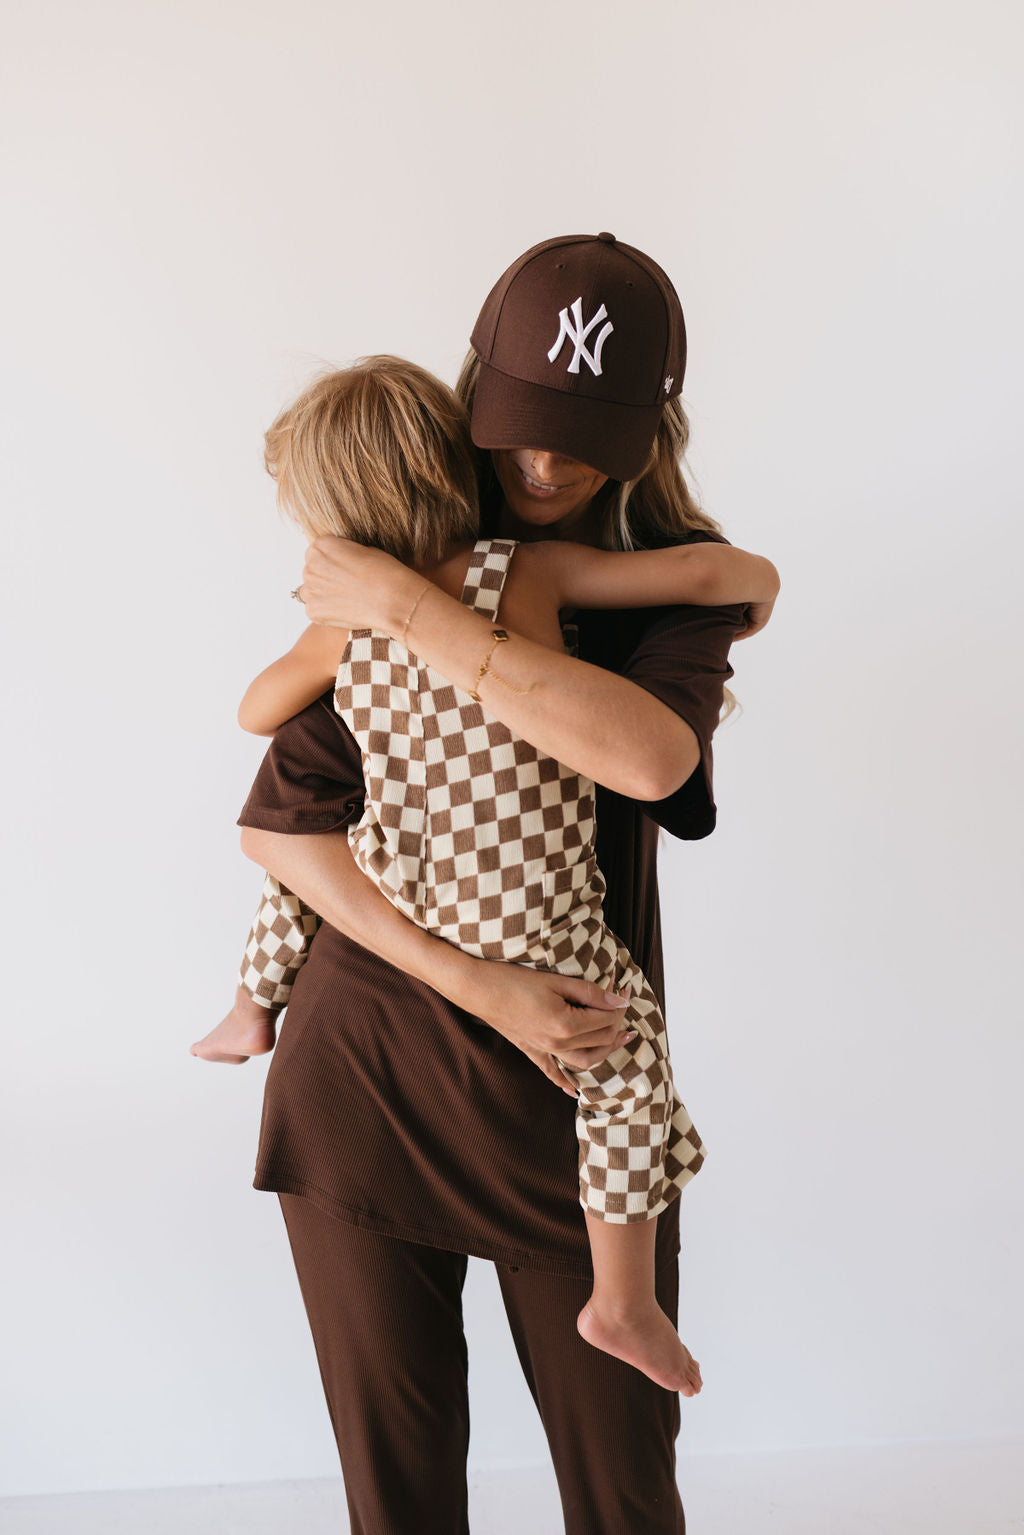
311 779
682 657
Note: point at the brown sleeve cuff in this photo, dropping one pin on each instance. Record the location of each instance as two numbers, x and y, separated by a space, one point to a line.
683 661
311 779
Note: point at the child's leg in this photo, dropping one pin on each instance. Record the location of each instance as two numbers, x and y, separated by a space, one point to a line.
250 1028
638 1145
623 1317
638 1148
275 952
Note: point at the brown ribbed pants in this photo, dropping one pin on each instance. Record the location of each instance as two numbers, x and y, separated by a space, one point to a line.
386 1316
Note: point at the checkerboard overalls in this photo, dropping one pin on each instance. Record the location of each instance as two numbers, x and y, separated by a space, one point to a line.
488 843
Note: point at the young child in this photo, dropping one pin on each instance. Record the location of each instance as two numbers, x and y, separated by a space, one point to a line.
467 829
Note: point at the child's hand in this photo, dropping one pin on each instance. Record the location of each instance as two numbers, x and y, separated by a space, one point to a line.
758 614
248 1029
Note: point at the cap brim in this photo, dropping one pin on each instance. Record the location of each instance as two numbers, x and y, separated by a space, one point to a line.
613 439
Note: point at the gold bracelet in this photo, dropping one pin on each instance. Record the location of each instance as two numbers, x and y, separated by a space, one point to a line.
485 669
408 621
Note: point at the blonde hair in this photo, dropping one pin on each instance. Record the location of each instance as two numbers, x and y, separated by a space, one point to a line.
657 504
378 452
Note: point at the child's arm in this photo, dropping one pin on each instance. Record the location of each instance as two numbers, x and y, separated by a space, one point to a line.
706 574
296 679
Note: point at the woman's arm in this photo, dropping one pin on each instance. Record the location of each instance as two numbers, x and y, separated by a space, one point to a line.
708 574
296 679
593 720
540 1012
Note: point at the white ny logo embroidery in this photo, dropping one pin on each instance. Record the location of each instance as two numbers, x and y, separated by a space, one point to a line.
576 332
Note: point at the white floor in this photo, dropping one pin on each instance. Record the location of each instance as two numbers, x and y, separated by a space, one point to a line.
912 1489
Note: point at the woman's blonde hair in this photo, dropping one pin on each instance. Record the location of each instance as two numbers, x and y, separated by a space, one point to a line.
378 452
656 506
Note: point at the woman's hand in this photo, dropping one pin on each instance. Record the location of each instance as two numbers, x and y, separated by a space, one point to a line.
348 585
540 1013
544 1015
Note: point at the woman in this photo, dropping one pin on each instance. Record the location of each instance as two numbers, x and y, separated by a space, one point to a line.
454 1144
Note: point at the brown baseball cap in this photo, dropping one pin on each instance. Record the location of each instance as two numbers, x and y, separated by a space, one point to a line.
581 342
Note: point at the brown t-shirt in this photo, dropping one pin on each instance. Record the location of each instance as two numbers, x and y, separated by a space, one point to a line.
394 1110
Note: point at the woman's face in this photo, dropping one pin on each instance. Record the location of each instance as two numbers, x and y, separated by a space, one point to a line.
546 493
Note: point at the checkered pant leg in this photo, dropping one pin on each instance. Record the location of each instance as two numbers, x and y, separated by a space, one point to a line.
277 945
638 1145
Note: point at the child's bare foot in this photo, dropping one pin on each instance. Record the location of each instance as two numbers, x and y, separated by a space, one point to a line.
644 1337
248 1029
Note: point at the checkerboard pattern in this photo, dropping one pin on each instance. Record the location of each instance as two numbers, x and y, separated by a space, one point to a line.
638 1146
488 843
277 945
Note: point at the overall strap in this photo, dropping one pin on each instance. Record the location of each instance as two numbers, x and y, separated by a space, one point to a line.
485 578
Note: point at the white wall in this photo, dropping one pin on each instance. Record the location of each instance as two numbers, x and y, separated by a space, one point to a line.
202 204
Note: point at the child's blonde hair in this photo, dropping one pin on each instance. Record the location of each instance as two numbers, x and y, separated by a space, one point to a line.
378 452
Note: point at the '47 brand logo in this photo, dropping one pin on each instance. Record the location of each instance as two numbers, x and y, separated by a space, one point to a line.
575 331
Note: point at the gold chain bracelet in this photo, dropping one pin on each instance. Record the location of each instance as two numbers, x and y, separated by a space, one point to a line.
485 669
408 621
